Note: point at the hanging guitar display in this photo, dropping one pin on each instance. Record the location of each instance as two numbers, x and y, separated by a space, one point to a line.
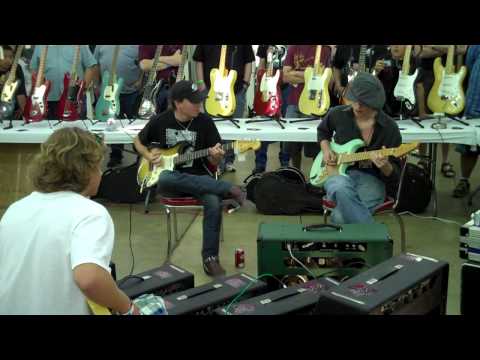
405 89
268 99
36 108
8 98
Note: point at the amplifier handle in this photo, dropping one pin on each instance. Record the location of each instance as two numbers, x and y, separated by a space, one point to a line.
322 226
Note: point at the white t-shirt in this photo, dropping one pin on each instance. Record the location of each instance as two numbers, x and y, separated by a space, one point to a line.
43 237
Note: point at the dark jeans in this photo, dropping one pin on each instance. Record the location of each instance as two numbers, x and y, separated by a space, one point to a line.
210 192
52 110
128 110
162 98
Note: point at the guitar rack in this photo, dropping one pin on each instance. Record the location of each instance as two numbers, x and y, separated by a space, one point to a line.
231 119
278 119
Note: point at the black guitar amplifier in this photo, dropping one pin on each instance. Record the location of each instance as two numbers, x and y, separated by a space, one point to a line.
469 304
405 284
298 299
160 281
203 300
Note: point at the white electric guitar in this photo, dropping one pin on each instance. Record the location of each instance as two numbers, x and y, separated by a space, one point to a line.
405 88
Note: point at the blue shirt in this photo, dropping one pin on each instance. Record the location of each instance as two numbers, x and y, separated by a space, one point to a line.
472 107
127 64
59 61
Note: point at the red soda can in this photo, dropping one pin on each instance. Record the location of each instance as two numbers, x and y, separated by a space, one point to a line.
239 258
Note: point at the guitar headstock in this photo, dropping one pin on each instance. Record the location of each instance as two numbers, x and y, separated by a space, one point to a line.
243 146
405 149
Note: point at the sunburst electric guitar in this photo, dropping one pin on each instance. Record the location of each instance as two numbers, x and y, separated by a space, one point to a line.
405 88
7 99
149 174
447 95
315 98
221 96
347 156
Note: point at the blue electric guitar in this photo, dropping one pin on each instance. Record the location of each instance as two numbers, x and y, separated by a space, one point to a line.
346 156
108 105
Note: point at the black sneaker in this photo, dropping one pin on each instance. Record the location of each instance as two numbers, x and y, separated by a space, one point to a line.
462 189
212 267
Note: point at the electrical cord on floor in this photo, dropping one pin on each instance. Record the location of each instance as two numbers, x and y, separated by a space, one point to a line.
430 218
130 241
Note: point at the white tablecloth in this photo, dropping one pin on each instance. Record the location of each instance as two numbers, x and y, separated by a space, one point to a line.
455 132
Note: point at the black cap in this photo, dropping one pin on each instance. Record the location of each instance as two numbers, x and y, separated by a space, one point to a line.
368 90
186 89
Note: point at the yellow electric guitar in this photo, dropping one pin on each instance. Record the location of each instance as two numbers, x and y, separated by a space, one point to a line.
221 96
315 99
149 174
447 95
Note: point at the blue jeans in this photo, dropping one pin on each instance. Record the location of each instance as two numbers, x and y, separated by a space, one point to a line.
261 156
128 110
210 192
356 196
240 108
162 98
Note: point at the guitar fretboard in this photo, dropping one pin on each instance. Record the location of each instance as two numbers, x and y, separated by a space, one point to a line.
153 71
182 63
199 154
41 67
13 70
73 71
113 77
360 156
361 58
449 67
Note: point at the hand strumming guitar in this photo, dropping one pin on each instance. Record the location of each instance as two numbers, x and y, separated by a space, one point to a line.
329 157
215 154
154 157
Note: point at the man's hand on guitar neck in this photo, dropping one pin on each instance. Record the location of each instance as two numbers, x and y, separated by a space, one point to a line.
382 163
215 154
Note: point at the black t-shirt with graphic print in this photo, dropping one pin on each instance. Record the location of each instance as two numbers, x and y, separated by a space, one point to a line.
164 131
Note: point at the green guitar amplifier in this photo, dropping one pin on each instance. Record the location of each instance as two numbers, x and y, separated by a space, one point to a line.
339 250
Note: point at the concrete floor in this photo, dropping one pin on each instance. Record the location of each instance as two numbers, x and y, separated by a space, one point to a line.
149 239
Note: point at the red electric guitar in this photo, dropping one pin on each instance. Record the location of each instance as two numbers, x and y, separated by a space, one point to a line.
36 107
268 96
71 101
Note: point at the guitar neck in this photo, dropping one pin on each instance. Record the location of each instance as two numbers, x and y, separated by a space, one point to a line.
406 60
449 68
199 154
41 68
13 70
360 156
113 77
182 63
152 74
318 53
269 61
223 57
76 60
361 58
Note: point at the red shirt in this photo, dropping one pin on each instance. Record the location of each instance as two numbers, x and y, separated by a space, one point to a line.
148 52
300 57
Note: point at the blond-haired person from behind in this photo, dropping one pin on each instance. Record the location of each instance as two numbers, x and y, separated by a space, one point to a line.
56 243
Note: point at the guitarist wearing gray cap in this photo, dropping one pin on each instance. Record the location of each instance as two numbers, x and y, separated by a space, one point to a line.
365 185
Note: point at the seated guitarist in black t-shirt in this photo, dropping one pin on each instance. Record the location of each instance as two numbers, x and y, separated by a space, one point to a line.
185 125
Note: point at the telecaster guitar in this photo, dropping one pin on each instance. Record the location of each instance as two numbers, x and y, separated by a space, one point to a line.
148 174
347 156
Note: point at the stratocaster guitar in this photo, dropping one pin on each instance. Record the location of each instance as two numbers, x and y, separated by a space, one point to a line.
353 73
36 108
405 88
148 174
108 104
71 100
7 98
268 99
221 96
149 99
447 95
315 98
346 156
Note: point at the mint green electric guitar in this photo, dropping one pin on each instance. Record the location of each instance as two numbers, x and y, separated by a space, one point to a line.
346 156
108 104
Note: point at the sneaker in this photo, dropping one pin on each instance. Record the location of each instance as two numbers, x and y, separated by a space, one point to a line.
238 194
462 189
212 267
229 167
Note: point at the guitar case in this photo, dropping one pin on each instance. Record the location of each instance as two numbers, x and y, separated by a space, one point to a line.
283 192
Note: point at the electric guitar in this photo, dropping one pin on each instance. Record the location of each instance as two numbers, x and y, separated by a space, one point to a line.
108 105
148 174
71 100
352 74
447 94
268 99
315 98
181 68
149 99
221 96
405 88
36 108
7 98
346 156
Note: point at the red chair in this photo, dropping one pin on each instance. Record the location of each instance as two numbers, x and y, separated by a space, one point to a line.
387 207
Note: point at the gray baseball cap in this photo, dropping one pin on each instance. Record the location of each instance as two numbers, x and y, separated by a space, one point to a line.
368 90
